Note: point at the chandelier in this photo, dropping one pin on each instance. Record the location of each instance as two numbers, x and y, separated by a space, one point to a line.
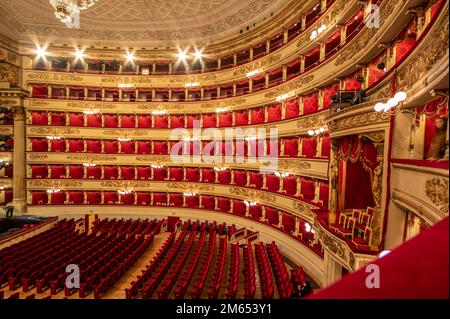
66 10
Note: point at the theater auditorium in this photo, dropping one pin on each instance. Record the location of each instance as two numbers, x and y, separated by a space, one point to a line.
224 149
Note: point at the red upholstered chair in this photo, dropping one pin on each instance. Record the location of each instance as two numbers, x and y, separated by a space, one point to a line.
111 146
225 119
94 146
208 175
209 120
111 120
93 198
57 171
326 146
58 145
143 172
39 198
256 211
309 146
224 177
208 202
94 120
241 118
192 174
176 173
291 147
239 208
364 241
143 199
161 121
160 148
76 197
348 231
256 180
257 115
176 121
144 121
160 174
176 200
307 189
127 147
94 172
110 198
127 121
127 172
323 193
110 172
292 108
274 113
191 119
39 118
127 199
290 185
76 119
39 145
192 201
159 199
144 147
310 103
223 204
288 222
272 215
39 171
240 178
273 183
76 171
58 118
58 198
76 145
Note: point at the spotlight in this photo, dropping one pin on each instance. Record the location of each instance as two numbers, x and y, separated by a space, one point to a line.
40 52
400 96
182 55
379 107
130 56
79 54
198 54
392 102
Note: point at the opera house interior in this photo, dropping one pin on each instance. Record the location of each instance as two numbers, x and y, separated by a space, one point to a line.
224 149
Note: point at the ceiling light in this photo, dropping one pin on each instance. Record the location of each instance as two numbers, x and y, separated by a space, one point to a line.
379 107
392 102
191 84
79 54
321 130
130 56
400 96
159 112
198 54
313 35
310 132
182 55
384 253
41 52
125 85
254 72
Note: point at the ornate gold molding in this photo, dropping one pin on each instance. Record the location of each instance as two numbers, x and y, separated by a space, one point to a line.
436 190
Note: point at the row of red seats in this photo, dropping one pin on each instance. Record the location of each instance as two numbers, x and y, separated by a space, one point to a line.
265 273
233 273
279 268
216 279
284 147
199 282
249 272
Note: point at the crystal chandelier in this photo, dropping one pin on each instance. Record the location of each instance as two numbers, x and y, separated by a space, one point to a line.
66 10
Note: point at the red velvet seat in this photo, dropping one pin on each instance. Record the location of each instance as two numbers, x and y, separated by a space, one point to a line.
273 183
127 199
208 202
291 147
94 120
39 171
111 146
274 113
127 121
292 108
223 204
143 172
127 172
94 172
176 173
239 208
323 193
39 145
208 175
288 222
143 198
93 146
325 146
76 197
177 121
272 215
58 118
58 198
257 115
144 121
39 118
76 145
58 145
224 177
76 171
192 174
241 118
111 120
310 103
176 200
39 198
127 147
225 119
309 146
144 147
160 174
256 180
328 92
192 201
160 148
307 189
240 178
290 185
161 121
76 119
209 120
159 199
256 211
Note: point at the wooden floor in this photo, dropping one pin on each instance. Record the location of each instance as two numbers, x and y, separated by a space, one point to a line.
117 291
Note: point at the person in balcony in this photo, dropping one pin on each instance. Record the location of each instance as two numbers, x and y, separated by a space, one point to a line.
438 146
9 209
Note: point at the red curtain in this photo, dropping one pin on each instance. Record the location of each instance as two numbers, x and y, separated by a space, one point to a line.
143 172
144 121
209 120
111 147
272 215
288 222
39 118
307 189
256 211
256 180
291 147
208 175
309 146
127 121
327 93
239 208
225 119
241 118
310 103
111 120
292 109
57 171
240 178
161 121
358 190
257 115
127 172
127 147
273 183
274 113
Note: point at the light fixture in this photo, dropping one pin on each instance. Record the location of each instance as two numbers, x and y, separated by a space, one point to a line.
249 203
124 192
41 52
220 169
315 33
188 194
125 86
316 132
392 103
379 107
222 109
90 112
182 55
400 96
54 137
66 10
384 253
253 73
89 164
130 56
156 166
79 54
121 139
198 54
159 112
51 191
282 97
191 84
281 174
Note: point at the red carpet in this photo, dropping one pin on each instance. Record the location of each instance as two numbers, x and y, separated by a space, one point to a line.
417 269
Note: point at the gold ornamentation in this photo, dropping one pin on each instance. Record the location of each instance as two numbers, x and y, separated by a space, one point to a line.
54 183
126 79
290 87
126 184
191 186
296 164
125 133
358 120
261 63
250 193
54 130
436 190
312 120
91 105
91 157
34 156
47 77
9 73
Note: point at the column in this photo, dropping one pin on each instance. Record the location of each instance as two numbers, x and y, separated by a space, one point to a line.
19 168
333 270
297 226
302 63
